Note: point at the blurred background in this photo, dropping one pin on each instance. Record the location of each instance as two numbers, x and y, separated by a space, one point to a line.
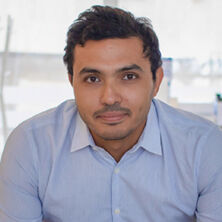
33 77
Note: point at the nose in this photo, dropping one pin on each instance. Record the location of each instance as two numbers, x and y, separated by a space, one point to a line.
110 94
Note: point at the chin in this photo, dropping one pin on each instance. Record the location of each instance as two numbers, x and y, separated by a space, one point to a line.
114 134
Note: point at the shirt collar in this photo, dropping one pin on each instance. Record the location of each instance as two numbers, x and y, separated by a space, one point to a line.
82 137
151 139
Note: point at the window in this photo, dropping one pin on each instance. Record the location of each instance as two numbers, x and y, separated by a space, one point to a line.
35 78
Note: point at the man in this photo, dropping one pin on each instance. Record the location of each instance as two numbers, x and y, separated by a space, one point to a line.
115 153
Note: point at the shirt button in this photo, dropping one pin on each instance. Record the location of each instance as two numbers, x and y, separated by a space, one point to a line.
117 211
116 170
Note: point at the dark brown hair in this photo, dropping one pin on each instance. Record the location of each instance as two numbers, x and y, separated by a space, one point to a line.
104 22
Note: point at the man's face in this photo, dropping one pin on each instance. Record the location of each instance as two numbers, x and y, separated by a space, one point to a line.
113 87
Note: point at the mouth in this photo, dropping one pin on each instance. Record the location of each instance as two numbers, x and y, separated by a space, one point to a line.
113 117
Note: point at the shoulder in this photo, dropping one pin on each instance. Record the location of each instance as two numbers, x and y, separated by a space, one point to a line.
180 121
194 142
43 134
188 136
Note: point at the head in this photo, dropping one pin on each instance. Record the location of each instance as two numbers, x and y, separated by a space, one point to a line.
104 22
114 65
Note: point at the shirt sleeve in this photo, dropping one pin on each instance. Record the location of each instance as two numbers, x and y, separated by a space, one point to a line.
209 205
19 200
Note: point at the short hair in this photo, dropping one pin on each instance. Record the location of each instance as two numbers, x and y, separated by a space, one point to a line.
105 22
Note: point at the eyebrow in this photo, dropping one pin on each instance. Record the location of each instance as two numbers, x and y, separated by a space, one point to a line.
86 70
130 67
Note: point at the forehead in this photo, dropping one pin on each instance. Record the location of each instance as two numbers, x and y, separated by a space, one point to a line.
109 51
111 42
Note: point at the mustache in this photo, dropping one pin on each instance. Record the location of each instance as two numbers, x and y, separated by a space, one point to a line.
110 108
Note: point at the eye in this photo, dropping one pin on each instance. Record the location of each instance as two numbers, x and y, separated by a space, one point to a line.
130 76
92 79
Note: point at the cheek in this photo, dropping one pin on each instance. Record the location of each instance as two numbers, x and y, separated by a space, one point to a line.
86 100
137 97
139 101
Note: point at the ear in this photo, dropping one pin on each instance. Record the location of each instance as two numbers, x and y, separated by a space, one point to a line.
70 79
159 77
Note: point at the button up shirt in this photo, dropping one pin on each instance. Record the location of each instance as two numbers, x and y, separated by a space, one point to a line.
52 170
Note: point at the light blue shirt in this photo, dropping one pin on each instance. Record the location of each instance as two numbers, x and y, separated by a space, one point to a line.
52 170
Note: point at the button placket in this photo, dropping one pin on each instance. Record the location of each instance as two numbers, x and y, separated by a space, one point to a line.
116 211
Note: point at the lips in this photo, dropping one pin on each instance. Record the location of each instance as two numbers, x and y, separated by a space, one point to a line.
112 117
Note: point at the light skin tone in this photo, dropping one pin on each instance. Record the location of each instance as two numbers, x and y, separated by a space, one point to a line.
113 88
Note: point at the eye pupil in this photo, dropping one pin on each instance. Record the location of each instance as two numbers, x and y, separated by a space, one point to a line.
130 76
92 78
